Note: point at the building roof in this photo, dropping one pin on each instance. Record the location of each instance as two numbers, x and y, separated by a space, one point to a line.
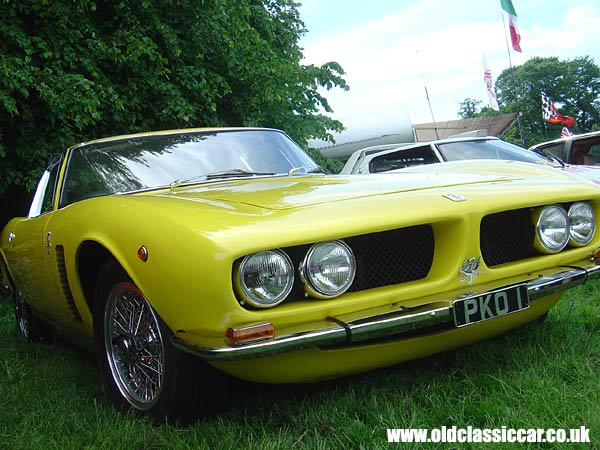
494 125
343 151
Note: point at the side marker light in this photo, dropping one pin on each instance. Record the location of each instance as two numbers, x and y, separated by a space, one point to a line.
142 253
252 333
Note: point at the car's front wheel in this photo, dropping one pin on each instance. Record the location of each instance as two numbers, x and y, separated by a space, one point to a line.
139 366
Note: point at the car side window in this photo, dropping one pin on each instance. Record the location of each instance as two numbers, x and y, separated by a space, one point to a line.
402 158
557 150
43 200
595 153
49 194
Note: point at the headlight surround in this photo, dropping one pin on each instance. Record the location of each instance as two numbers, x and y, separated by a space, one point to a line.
265 278
582 224
328 269
552 229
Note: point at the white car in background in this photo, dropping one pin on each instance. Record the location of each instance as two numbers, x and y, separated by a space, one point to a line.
391 157
575 149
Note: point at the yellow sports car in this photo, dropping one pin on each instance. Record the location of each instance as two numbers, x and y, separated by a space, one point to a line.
228 246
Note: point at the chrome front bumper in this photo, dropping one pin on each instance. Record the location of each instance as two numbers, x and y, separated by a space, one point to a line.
396 323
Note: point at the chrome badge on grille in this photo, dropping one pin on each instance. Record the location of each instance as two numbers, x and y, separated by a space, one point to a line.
469 269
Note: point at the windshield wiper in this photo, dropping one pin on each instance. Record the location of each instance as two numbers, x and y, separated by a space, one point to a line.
302 170
229 173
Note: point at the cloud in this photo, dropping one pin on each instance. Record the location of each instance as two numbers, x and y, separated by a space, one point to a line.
388 61
577 35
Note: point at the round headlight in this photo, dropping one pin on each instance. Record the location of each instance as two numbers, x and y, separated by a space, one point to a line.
582 223
552 229
328 269
265 278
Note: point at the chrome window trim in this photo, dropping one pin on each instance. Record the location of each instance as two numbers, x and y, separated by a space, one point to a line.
61 193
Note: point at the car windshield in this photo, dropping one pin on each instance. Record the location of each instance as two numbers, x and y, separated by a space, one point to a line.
160 160
489 149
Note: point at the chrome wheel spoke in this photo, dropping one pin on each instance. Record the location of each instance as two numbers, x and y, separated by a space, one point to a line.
139 319
121 321
153 369
151 380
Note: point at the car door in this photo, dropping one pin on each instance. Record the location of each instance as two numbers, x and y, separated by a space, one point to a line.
30 253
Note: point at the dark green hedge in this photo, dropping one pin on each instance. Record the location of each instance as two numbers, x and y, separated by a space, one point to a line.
76 70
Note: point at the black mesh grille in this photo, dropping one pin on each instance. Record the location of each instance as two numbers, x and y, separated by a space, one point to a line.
382 259
392 257
507 236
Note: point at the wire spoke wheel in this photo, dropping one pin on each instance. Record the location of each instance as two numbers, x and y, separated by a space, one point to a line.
140 368
134 346
22 315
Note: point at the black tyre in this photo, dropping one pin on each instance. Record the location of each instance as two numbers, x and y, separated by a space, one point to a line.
139 366
29 326
540 320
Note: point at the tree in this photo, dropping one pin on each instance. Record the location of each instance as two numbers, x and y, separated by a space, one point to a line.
73 70
469 108
573 85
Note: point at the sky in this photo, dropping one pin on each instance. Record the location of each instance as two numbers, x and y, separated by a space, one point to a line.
391 49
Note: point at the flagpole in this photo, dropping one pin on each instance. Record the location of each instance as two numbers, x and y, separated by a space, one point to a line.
506 40
514 83
430 109
428 100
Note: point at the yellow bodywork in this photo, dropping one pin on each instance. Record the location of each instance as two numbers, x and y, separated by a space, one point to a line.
195 234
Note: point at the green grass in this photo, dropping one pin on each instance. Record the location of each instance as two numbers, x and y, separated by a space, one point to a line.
540 376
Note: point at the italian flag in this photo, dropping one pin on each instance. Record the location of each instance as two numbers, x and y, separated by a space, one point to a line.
515 37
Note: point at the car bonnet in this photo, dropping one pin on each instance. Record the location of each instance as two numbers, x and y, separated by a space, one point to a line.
288 192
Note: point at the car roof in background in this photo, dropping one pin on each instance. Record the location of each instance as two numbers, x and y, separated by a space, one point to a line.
370 152
392 147
575 137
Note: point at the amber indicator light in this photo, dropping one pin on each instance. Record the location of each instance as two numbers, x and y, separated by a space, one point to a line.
255 332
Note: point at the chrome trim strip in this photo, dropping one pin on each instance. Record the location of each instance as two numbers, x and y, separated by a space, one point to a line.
374 327
296 341
380 326
543 286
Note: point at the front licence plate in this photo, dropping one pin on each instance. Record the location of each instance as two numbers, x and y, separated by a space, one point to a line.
490 304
